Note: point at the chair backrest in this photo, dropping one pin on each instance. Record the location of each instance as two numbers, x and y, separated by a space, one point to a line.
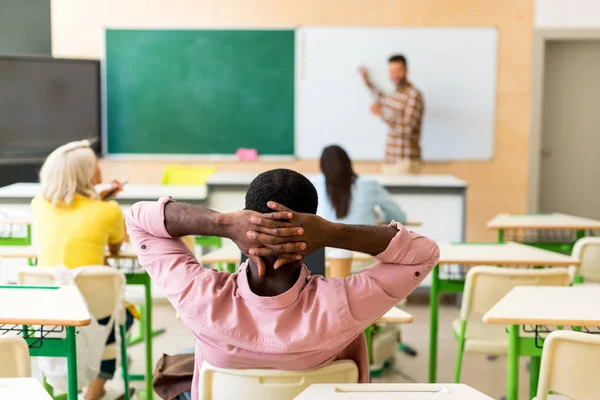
485 286
100 286
259 384
587 250
14 357
568 361
185 175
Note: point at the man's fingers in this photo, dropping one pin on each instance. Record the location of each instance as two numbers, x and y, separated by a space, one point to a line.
260 264
270 240
281 232
278 249
277 207
286 259
272 220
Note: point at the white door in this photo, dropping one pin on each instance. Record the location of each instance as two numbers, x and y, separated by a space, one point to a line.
570 162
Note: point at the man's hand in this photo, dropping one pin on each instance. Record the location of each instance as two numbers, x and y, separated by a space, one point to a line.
279 238
376 109
315 230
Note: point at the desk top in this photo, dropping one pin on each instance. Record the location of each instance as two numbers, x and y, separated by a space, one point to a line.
62 306
230 254
131 192
547 305
430 181
22 388
501 254
391 391
542 221
395 316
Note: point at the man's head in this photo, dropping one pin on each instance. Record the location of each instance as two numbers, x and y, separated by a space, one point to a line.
398 69
285 187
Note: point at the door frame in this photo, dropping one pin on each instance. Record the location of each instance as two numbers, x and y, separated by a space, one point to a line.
540 39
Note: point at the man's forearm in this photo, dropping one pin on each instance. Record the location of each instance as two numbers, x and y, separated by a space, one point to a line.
183 219
365 239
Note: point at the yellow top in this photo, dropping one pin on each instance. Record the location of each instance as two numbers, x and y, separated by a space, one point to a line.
76 235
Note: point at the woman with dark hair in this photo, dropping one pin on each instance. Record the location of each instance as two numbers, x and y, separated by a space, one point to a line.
349 198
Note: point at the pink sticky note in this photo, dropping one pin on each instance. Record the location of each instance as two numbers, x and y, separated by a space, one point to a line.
246 154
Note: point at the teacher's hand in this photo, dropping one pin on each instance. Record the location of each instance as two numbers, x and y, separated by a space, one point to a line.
362 70
376 109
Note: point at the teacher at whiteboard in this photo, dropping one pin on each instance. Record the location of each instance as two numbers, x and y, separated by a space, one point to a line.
402 111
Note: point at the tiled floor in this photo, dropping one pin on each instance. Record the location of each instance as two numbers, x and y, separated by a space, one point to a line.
487 376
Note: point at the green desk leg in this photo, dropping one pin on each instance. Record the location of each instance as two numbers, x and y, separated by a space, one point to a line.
72 362
231 268
512 377
148 335
434 303
500 235
369 337
534 375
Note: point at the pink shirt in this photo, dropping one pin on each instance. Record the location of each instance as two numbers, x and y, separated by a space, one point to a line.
315 322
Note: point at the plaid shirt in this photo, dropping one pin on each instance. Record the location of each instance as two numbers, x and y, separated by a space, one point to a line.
403 112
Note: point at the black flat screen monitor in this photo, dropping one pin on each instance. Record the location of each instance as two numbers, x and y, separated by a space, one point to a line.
46 102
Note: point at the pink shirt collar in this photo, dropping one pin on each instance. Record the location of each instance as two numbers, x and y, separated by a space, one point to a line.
280 301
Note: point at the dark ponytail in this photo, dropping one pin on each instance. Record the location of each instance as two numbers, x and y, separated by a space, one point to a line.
339 177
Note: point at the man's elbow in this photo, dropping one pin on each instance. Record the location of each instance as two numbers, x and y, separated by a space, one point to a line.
132 219
433 250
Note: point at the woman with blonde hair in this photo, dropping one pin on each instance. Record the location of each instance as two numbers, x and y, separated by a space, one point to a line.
74 224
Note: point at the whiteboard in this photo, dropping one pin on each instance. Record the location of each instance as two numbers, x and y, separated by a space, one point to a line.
454 68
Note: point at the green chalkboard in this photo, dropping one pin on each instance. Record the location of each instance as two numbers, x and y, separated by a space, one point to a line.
199 91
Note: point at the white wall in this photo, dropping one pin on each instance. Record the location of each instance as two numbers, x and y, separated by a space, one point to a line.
567 13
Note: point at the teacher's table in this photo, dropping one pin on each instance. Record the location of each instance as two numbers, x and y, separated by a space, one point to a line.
134 275
390 391
22 388
23 193
472 254
535 308
551 231
51 310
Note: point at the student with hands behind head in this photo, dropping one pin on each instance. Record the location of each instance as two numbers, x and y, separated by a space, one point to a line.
272 313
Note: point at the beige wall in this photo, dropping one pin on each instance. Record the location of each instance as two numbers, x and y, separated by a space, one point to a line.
495 186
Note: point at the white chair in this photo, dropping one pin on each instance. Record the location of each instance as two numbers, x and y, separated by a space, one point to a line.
568 366
484 287
587 250
14 358
101 287
261 384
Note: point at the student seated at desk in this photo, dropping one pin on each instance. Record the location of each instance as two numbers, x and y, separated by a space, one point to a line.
74 225
349 198
273 313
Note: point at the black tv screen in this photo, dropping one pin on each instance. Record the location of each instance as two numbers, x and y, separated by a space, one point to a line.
46 102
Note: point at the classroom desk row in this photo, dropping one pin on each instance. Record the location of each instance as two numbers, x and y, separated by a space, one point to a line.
134 275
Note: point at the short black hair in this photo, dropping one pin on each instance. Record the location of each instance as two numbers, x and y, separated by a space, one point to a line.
398 58
285 187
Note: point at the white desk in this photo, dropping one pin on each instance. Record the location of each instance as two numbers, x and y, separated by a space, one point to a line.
540 306
23 193
506 254
391 391
63 306
542 221
47 307
22 388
